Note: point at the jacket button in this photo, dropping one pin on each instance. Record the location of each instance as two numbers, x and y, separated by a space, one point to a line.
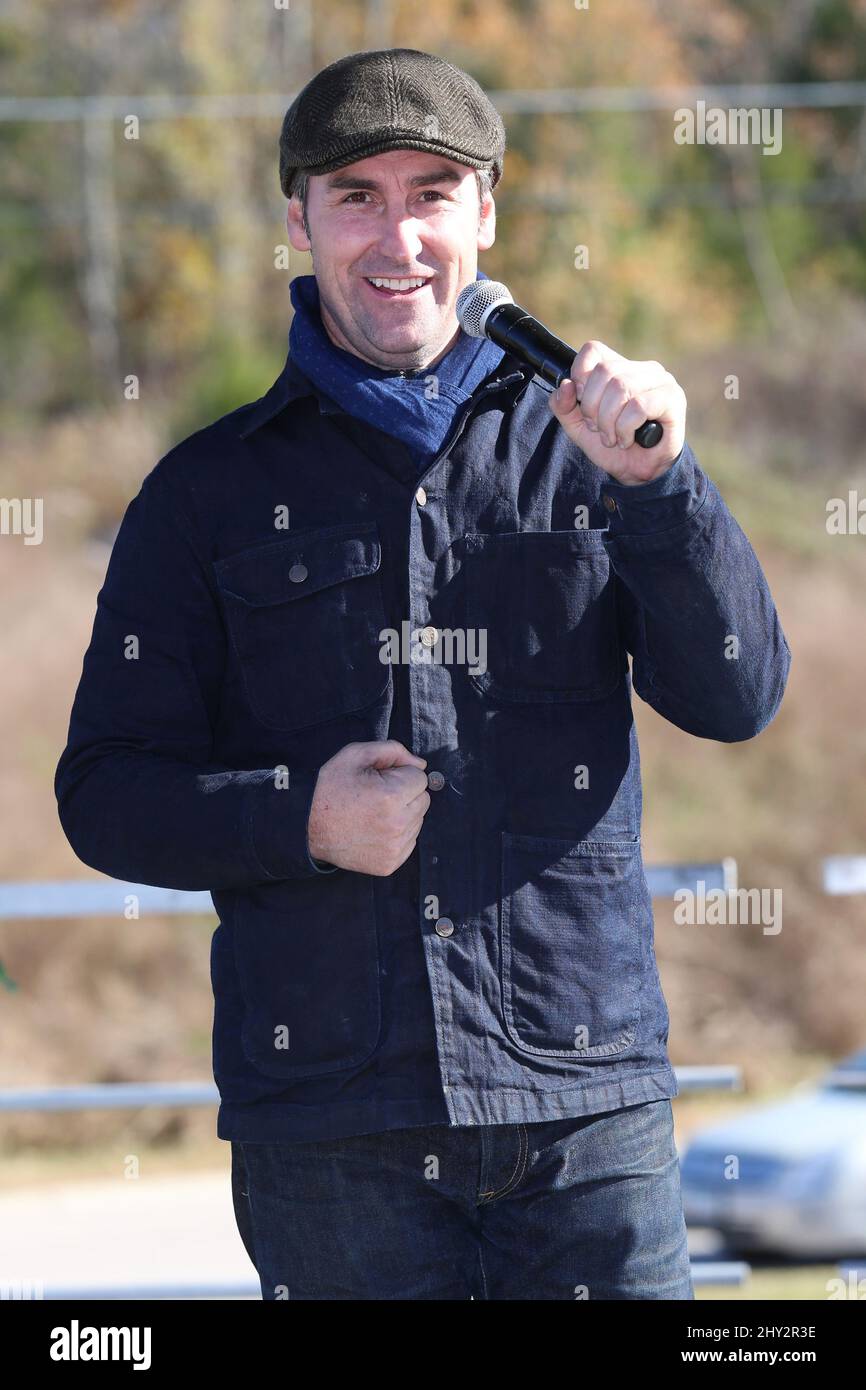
609 503
298 573
435 781
421 497
429 636
445 927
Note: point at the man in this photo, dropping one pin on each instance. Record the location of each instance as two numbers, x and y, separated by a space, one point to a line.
378 702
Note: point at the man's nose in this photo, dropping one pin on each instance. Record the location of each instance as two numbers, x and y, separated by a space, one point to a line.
399 239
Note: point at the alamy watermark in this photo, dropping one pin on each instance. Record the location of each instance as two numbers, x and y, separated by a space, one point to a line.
846 517
22 516
741 125
760 907
437 646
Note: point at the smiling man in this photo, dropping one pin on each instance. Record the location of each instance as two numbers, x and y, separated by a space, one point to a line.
439 1036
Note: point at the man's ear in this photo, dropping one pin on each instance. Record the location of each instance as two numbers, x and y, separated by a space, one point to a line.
295 224
487 223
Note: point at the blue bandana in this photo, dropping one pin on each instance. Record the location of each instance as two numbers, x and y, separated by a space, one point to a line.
399 404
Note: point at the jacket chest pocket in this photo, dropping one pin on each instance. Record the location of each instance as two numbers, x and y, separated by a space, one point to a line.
304 615
545 603
574 931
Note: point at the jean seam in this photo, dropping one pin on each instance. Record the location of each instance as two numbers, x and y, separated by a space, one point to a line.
483 1275
519 1169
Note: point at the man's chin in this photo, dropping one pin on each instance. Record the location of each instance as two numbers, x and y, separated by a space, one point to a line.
395 355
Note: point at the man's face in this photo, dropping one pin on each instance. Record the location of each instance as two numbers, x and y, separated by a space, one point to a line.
399 215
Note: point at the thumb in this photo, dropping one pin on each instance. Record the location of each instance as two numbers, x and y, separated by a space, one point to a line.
389 753
564 399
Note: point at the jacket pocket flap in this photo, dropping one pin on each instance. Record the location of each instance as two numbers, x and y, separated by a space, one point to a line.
301 564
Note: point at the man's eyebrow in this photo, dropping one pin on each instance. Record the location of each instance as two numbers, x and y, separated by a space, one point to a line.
440 175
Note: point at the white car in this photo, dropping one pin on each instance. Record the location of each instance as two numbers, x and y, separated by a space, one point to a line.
788 1178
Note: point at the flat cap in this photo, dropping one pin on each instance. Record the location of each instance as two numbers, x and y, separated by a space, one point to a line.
389 99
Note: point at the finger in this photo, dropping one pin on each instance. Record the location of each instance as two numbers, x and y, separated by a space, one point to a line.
409 782
588 357
390 753
415 826
405 846
420 802
417 811
620 389
649 403
593 390
592 357
571 388
564 400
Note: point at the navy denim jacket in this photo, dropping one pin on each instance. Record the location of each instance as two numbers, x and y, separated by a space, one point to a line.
506 971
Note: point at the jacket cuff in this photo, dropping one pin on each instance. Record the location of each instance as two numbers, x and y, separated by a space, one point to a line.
280 818
655 506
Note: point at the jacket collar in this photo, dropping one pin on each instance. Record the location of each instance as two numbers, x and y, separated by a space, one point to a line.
291 384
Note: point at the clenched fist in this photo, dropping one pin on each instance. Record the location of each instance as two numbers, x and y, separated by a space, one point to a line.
368 806
606 398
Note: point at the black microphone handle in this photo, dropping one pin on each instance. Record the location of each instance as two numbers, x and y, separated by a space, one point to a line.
513 328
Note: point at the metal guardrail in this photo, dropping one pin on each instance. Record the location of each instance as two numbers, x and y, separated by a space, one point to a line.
109 897
75 1293
704 1272
844 873
720 1272
97 898
119 1095
666 879
722 1078
111 1095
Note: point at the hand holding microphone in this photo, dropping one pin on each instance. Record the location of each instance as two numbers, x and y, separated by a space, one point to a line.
604 402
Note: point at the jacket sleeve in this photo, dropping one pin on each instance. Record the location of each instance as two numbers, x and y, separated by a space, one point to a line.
708 651
139 795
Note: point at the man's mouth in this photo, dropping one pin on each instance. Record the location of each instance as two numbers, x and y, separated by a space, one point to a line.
396 289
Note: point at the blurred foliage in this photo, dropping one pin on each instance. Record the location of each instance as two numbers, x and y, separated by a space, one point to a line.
196 213
231 373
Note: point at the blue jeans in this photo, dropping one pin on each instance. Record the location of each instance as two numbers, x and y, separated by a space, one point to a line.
561 1209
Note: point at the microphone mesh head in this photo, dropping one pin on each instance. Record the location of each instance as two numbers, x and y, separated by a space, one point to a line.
475 302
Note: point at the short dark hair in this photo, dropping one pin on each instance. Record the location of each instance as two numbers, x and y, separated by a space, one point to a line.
301 181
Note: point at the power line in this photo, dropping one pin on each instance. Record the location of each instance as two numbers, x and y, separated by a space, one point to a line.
163 105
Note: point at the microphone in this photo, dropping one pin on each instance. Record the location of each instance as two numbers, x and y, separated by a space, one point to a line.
485 309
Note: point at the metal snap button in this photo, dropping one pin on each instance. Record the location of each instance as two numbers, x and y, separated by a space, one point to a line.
298 573
445 927
421 497
429 636
609 503
435 781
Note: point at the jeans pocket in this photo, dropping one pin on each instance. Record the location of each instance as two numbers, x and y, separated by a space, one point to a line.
307 957
573 944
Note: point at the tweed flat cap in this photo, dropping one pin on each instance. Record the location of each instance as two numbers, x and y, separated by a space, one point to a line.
389 99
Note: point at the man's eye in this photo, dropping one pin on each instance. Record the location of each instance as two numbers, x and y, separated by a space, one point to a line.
362 193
